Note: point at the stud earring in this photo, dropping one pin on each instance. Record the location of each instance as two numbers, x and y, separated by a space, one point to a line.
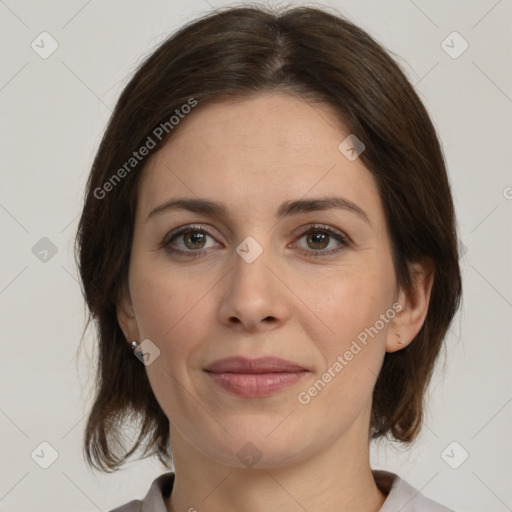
134 345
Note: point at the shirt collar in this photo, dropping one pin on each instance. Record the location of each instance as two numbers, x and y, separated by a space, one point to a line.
399 494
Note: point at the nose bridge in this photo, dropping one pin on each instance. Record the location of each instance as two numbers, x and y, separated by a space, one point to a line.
251 276
252 294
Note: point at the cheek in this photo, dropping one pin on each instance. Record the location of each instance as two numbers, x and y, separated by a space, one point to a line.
350 340
347 301
162 296
352 310
172 310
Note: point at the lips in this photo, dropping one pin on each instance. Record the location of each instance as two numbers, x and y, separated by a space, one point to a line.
259 365
253 378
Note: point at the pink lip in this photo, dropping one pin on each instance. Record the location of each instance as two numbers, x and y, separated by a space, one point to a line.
259 365
254 377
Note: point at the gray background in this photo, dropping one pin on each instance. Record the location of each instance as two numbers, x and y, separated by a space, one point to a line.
54 111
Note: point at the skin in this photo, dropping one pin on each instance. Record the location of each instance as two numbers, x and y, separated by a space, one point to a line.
252 155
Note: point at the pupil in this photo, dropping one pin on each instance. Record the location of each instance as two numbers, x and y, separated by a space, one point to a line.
319 238
196 239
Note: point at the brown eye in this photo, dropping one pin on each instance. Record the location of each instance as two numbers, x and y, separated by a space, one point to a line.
322 241
317 239
194 239
188 241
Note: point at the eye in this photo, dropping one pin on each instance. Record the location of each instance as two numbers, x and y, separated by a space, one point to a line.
321 240
192 241
187 240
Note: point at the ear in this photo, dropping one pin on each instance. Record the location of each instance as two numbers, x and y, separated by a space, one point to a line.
414 304
126 315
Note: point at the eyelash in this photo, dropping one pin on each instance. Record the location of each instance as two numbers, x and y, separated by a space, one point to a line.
170 237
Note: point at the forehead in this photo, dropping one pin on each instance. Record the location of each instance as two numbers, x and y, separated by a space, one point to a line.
257 151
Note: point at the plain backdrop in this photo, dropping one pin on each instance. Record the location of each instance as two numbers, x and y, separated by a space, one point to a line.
53 113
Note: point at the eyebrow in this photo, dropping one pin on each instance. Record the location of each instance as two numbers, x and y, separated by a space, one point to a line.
288 208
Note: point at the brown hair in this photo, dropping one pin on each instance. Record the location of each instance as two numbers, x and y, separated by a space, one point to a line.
238 52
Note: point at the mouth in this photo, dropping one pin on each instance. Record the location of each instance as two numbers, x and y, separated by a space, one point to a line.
253 378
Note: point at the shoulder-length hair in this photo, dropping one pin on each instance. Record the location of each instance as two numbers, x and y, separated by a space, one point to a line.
238 52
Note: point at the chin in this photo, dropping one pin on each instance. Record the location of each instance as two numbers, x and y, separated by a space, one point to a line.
258 448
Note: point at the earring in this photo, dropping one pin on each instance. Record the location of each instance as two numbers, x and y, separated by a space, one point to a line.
400 342
134 345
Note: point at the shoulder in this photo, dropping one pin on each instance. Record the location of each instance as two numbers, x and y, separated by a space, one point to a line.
403 496
159 489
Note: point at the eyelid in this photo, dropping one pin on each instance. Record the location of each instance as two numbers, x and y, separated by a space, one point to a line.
321 227
183 229
343 239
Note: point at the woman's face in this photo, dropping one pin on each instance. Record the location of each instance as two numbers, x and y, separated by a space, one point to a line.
267 272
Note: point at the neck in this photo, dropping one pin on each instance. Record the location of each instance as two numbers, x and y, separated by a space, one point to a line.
338 479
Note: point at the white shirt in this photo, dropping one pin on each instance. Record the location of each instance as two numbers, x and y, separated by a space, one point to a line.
401 497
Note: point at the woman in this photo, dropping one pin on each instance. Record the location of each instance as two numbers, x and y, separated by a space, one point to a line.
268 249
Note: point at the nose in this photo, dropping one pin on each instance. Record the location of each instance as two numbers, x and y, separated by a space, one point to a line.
253 299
